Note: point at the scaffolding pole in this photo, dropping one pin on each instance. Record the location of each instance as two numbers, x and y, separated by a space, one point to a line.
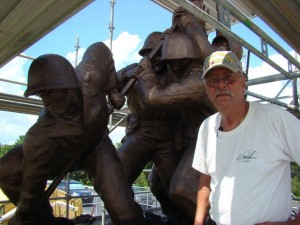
199 13
111 30
259 32
76 50
111 23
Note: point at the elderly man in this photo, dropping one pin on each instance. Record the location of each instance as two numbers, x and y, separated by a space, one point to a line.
243 152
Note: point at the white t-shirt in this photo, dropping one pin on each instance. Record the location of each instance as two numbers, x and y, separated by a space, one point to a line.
250 165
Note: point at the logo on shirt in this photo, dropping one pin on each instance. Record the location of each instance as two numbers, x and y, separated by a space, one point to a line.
247 156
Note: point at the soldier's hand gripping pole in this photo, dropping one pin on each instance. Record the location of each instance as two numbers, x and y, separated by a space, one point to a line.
132 80
151 55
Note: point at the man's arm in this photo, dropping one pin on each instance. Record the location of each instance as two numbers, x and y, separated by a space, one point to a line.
202 199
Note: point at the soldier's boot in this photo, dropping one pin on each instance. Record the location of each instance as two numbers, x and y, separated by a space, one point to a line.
135 222
154 219
178 218
51 220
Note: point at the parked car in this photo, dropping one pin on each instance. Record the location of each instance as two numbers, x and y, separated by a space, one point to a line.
76 188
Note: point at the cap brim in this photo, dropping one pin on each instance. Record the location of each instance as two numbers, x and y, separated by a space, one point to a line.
219 65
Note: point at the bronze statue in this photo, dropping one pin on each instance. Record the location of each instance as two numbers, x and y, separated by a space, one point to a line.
185 94
168 104
184 52
150 132
181 92
72 125
178 90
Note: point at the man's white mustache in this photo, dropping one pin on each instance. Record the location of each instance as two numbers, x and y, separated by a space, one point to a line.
224 92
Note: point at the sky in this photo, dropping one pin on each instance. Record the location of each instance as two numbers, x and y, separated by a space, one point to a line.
133 21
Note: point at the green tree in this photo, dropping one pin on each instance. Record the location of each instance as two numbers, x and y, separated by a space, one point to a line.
5 148
296 186
19 141
118 145
142 180
295 179
81 176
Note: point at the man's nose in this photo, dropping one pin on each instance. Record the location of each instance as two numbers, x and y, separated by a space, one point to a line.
220 82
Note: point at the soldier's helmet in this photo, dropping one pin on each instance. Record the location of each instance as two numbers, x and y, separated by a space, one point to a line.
151 42
178 45
50 71
221 40
221 43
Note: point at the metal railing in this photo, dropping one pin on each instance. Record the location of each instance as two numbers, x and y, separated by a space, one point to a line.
295 207
142 195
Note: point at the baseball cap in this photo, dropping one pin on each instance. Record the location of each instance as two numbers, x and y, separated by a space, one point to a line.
225 59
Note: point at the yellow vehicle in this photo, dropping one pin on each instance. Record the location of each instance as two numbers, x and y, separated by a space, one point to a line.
57 200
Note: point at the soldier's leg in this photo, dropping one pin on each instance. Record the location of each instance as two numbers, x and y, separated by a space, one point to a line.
166 163
11 173
184 184
136 152
166 157
10 184
167 206
37 158
110 182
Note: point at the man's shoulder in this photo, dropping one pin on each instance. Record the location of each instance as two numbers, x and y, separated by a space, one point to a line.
272 112
268 107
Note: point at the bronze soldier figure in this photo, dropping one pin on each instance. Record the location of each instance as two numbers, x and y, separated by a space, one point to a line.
72 125
183 93
157 188
150 132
